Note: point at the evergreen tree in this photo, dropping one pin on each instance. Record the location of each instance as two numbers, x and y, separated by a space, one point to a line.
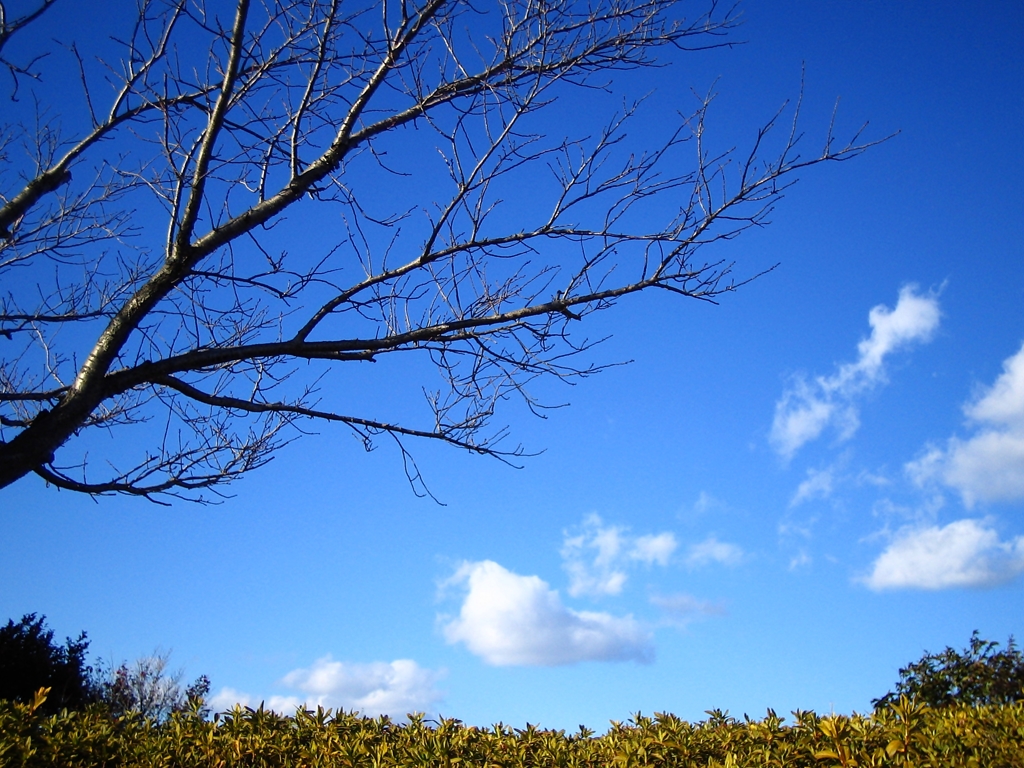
30 660
980 674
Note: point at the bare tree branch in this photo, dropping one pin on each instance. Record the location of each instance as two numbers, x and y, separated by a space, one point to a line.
240 209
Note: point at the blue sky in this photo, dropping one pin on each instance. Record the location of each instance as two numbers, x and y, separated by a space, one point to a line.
779 502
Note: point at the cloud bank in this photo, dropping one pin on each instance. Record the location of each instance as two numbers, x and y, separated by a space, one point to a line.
512 620
806 408
965 553
990 465
394 688
597 556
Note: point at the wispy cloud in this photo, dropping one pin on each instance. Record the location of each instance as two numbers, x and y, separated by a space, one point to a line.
681 609
990 465
712 551
395 688
706 503
512 620
596 556
807 408
800 560
965 553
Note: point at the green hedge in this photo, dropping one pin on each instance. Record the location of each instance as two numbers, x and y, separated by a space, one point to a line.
904 734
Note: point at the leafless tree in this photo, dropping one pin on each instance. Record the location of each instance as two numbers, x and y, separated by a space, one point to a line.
150 688
224 205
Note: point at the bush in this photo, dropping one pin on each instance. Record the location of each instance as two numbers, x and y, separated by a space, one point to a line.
906 735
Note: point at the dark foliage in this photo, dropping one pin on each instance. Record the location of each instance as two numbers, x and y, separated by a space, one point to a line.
30 660
978 675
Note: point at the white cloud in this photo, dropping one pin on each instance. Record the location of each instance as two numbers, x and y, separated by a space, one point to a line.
927 467
818 485
227 698
915 318
965 553
393 688
806 409
711 550
596 556
681 609
508 619
801 415
990 465
1003 403
654 548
